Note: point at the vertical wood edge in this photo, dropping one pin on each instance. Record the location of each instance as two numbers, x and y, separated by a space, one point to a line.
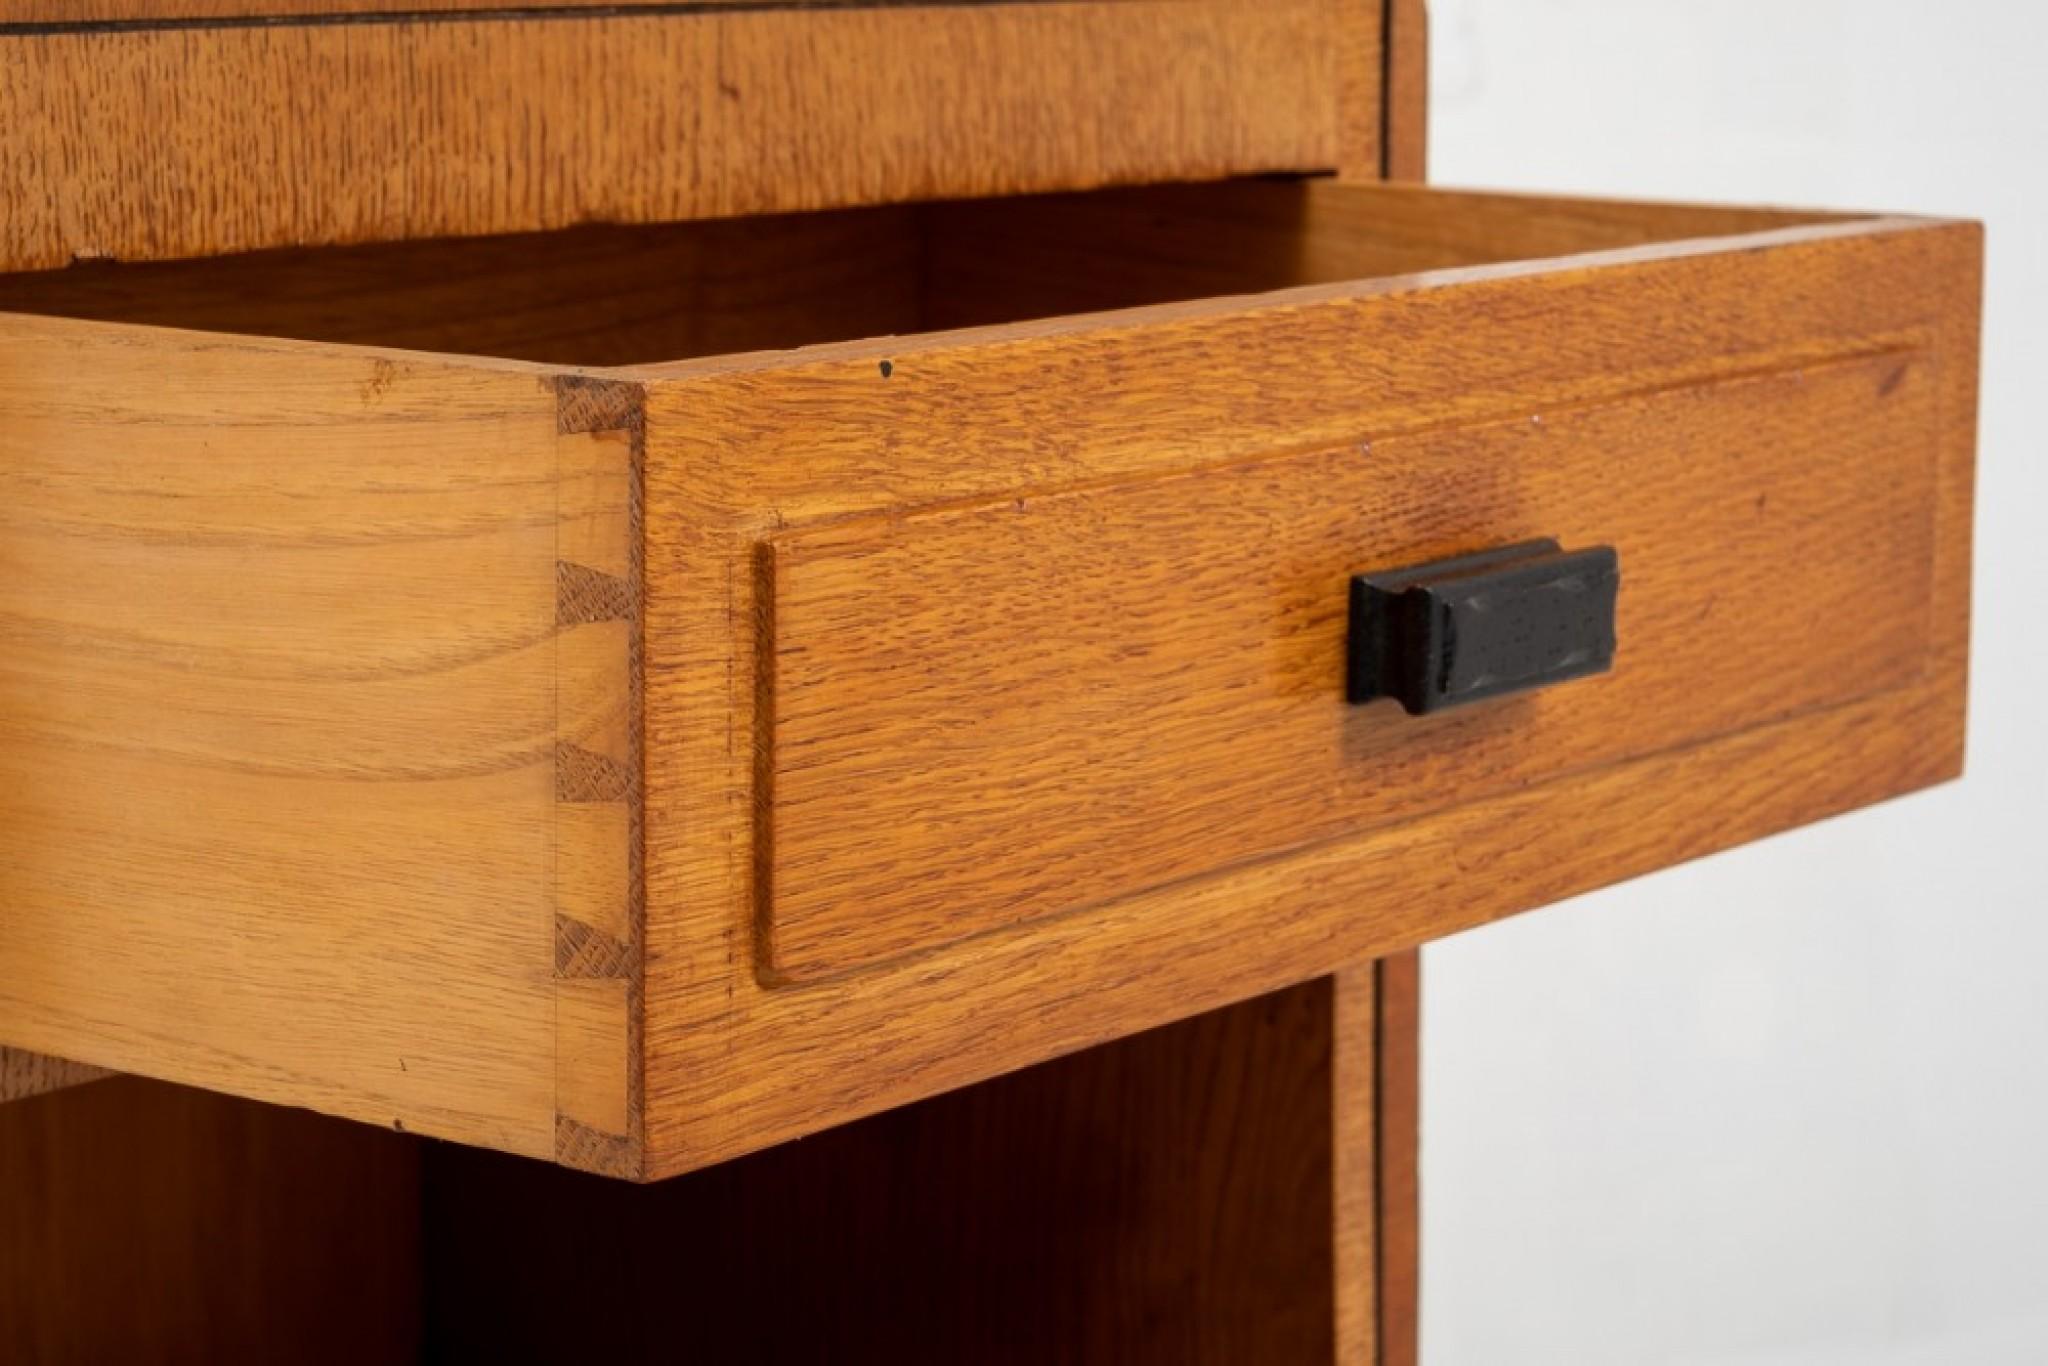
1354 1096
761 891
1397 999
1959 358
1404 88
599 873
1360 30
1396 1006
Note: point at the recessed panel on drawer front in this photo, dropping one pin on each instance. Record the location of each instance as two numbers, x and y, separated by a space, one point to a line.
984 714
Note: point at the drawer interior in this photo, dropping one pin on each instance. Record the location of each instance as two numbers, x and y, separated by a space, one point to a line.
616 295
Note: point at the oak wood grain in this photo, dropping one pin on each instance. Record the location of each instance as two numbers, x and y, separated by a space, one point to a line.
1357 32
389 668
169 13
746 451
990 713
1405 86
295 134
283 694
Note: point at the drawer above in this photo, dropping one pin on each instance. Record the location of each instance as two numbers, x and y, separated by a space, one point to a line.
643 745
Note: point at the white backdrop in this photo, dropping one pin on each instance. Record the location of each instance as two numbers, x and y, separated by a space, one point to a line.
1790 1104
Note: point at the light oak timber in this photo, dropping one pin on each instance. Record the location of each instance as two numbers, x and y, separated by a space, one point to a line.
597 873
1358 31
994 712
1405 87
287 686
1026 411
321 133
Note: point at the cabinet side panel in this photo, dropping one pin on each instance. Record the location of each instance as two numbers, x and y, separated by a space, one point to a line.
153 1225
1162 1199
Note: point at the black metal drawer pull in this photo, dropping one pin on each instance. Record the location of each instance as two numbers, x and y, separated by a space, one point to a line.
1500 621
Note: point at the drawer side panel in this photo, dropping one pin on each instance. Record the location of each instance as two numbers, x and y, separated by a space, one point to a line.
280 701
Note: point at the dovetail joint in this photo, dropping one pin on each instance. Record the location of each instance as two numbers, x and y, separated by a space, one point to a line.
597 923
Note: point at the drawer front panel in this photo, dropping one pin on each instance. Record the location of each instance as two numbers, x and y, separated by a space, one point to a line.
984 714
994 679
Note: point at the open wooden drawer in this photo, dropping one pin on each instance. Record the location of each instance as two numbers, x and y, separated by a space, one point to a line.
645 746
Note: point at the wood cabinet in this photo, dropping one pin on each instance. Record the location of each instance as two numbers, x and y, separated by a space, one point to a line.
632 585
